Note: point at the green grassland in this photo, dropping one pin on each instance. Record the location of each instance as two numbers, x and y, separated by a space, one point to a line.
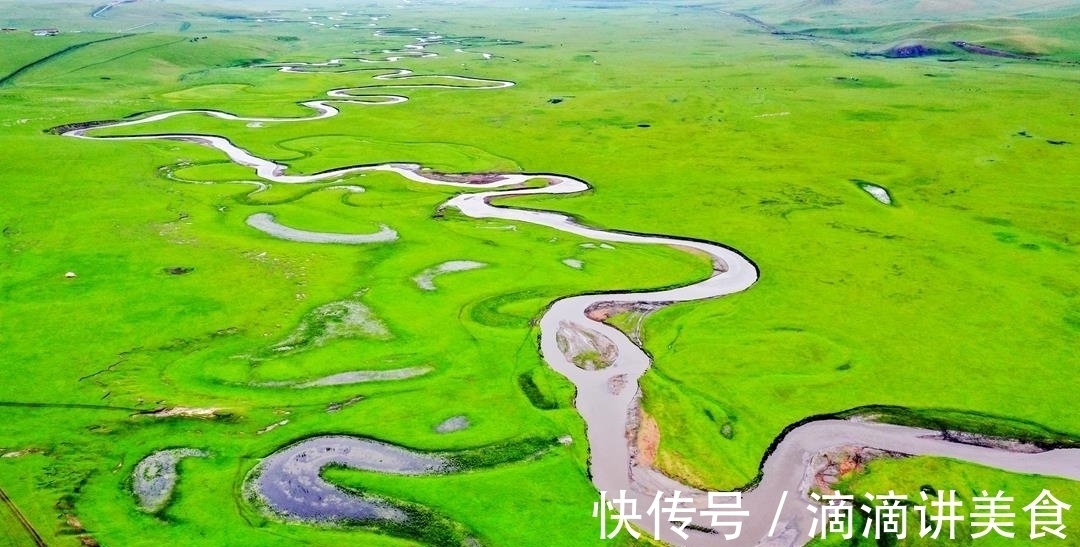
937 476
962 297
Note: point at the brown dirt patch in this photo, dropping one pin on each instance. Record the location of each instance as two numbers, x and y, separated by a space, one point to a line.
831 467
75 523
648 439
469 178
601 311
186 412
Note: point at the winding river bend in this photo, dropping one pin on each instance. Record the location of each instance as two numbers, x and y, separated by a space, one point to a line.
607 397
290 483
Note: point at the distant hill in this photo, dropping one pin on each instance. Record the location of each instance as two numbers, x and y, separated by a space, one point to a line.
1043 29
878 11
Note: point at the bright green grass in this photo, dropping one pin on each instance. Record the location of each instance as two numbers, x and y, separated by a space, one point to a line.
963 296
22 50
12 531
909 476
176 339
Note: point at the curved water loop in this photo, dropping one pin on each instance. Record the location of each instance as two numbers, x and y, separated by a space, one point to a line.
607 397
290 481
265 222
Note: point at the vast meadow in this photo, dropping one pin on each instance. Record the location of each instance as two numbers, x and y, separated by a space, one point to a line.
758 126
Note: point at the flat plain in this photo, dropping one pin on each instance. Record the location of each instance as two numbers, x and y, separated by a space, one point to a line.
954 307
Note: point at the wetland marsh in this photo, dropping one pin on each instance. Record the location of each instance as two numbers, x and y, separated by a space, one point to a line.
355 309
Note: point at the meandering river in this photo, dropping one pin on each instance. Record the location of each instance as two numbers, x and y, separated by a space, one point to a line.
607 397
